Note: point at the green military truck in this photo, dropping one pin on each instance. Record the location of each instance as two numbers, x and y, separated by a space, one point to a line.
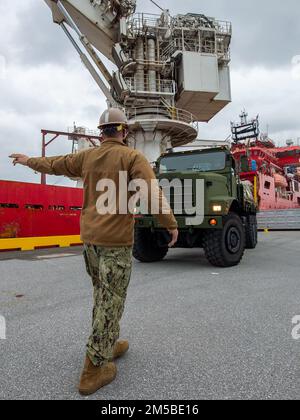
228 223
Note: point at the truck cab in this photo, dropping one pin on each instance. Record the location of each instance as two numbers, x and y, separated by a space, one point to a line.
213 208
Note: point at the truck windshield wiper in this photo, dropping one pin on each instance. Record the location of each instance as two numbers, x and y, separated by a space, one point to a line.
194 170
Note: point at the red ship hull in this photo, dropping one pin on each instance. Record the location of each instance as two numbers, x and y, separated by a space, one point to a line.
33 210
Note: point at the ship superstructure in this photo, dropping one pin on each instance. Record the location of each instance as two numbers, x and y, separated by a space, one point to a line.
273 171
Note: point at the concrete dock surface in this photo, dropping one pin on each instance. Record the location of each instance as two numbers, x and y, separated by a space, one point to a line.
196 331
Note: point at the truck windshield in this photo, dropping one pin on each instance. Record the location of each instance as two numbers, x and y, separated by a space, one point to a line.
202 162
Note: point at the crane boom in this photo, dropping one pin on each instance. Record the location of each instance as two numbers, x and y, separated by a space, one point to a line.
98 20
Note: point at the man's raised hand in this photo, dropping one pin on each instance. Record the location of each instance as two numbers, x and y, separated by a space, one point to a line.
19 159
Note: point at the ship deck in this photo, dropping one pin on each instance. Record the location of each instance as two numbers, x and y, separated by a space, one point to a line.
196 332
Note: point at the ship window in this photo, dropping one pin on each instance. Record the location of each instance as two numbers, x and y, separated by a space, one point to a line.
57 208
267 185
34 207
8 206
75 208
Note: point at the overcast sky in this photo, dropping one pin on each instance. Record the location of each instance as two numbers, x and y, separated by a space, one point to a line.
44 85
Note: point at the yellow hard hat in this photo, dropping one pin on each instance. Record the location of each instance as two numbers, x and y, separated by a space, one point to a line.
113 116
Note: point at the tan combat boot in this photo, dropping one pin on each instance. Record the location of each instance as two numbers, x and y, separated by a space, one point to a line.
94 378
121 348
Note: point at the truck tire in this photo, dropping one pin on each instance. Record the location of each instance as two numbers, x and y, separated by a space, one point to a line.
145 247
251 232
226 247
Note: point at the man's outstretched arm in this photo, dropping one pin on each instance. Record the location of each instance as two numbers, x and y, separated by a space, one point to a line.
69 165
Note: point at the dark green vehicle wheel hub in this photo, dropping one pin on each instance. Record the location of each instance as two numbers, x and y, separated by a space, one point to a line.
233 240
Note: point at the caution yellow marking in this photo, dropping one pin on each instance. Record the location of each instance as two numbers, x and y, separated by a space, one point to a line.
30 244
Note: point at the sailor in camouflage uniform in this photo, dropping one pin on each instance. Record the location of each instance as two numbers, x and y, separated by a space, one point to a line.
108 238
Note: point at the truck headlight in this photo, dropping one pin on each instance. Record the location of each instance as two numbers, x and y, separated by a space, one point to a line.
217 208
